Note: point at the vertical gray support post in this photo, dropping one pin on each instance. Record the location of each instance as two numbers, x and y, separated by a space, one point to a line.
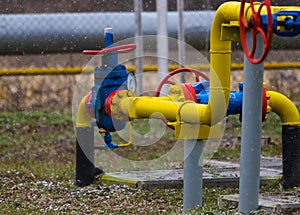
251 131
208 5
138 8
193 173
85 169
162 41
291 156
181 39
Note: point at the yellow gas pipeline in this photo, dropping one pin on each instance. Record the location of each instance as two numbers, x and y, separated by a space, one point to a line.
283 107
83 119
146 68
220 59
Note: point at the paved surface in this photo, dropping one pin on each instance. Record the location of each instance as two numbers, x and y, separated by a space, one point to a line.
284 203
225 173
220 173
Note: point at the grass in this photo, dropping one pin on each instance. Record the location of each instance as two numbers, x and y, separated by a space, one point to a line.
37 156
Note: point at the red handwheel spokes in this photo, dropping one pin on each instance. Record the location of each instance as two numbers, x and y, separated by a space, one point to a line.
254 25
119 49
186 88
166 80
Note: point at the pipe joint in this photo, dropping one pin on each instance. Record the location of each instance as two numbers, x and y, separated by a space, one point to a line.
283 107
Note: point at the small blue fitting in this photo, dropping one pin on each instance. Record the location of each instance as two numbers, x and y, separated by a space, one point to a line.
93 123
201 87
108 37
235 101
108 141
202 91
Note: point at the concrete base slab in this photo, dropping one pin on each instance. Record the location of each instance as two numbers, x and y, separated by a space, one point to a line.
283 203
218 173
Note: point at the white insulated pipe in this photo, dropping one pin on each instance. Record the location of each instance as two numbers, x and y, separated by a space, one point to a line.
162 41
74 32
138 8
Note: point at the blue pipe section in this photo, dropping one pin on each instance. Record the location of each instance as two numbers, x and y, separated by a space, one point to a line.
235 101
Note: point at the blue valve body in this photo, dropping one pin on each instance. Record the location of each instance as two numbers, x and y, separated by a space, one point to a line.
111 79
108 77
284 23
235 100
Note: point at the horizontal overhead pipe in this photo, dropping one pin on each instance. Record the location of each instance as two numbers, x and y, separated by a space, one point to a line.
74 32
146 68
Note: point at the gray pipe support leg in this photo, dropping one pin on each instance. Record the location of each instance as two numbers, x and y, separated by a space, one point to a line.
251 132
85 169
193 172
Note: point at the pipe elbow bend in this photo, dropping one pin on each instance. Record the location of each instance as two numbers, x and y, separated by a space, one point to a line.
284 108
83 119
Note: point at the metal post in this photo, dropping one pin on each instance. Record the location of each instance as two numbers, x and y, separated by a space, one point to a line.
138 7
208 5
85 169
162 40
181 50
193 173
251 131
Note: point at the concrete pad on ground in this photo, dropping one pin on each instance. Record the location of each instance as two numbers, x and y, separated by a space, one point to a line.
283 203
218 173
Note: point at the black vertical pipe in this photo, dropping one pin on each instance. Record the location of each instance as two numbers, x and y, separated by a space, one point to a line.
85 169
291 156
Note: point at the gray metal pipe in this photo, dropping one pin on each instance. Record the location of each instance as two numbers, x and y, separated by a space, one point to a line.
162 41
138 8
74 32
251 131
193 174
181 49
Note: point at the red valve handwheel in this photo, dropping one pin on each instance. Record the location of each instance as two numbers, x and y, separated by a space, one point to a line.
119 49
166 80
187 88
255 26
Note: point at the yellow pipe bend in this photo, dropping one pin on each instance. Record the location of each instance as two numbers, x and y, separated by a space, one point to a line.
284 108
83 119
220 60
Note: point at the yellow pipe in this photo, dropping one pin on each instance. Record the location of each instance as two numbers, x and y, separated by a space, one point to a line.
284 108
126 106
130 136
83 119
146 68
220 60
110 180
145 107
41 71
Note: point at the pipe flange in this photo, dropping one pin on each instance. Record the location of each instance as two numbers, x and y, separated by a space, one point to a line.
114 106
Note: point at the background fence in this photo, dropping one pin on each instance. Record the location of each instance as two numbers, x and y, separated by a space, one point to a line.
55 92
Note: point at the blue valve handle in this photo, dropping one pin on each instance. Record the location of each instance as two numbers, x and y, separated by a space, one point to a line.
285 23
